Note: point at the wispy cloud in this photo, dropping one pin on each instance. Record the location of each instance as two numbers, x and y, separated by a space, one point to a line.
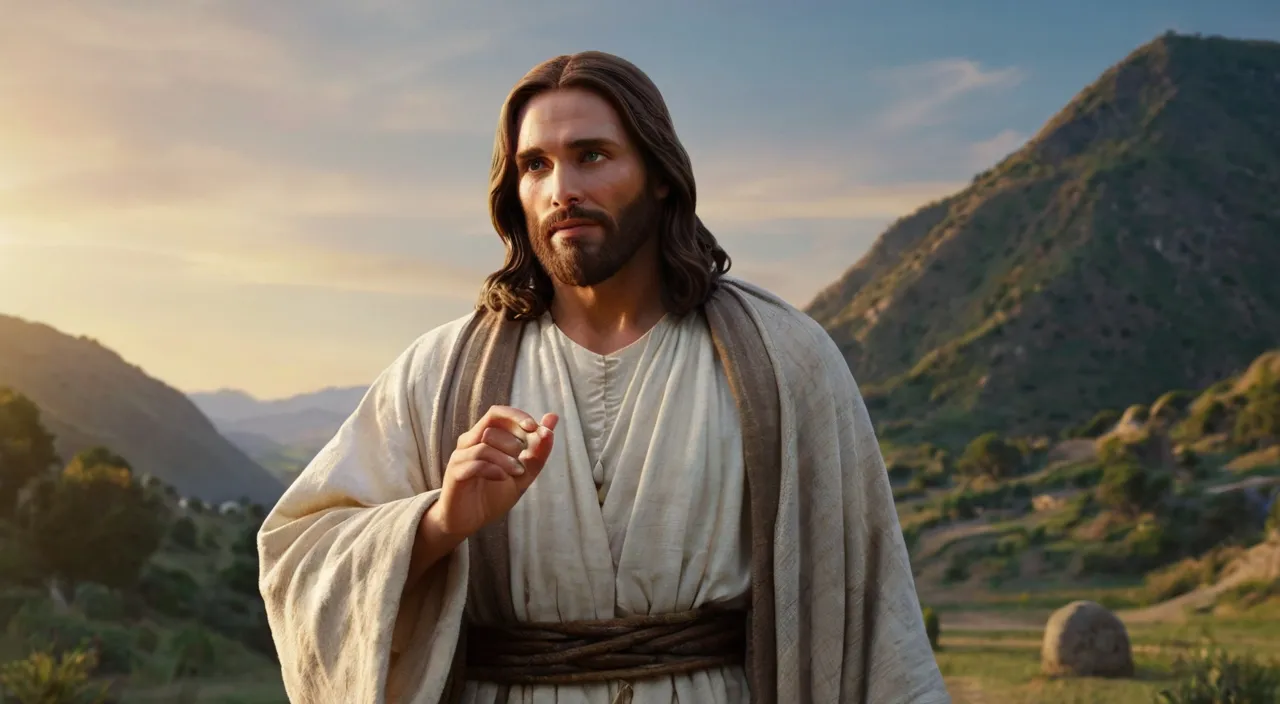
924 92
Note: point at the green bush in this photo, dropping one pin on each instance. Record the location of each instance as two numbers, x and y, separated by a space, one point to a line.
1214 676
39 625
1131 488
195 653
12 601
98 602
172 592
44 678
184 533
932 626
990 456
19 565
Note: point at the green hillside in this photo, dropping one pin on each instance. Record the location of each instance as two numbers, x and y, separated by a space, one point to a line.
1129 247
90 396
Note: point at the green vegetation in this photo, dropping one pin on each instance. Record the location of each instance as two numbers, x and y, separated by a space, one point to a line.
1216 675
43 678
107 578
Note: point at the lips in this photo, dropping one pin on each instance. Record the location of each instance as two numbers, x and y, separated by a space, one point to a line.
572 224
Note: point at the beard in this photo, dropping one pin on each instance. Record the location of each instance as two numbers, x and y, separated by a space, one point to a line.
591 263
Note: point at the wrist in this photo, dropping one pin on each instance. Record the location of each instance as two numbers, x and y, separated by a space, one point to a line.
436 531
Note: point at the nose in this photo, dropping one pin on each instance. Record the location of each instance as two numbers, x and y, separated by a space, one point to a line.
566 187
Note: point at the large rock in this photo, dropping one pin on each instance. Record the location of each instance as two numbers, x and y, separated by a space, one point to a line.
1085 639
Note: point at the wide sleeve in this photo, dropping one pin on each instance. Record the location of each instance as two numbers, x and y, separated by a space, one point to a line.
335 553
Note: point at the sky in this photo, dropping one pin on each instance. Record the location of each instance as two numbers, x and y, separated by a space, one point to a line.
281 196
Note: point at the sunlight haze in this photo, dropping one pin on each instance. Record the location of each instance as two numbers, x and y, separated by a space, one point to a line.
279 197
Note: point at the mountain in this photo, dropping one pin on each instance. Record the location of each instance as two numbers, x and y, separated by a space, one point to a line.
89 395
233 405
281 434
1131 246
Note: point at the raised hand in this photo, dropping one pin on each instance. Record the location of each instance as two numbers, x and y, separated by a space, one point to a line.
493 465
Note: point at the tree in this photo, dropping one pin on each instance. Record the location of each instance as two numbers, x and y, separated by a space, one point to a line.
990 456
26 448
1131 487
95 523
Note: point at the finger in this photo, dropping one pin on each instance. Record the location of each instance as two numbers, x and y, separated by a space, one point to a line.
550 421
509 418
512 420
479 469
540 444
502 440
494 456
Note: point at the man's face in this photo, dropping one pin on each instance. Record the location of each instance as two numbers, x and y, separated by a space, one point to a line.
582 187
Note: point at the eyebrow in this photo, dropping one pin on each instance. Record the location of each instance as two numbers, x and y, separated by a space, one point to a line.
577 144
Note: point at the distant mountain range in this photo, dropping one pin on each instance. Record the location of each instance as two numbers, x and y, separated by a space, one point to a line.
280 434
89 395
1132 246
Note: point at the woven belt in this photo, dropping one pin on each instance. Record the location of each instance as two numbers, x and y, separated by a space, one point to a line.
628 648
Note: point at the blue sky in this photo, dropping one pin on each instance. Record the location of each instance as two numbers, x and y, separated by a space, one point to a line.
281 196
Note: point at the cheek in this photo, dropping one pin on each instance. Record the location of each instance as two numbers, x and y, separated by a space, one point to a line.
528 193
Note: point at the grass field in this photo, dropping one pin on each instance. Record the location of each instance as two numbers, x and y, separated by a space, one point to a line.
1003 666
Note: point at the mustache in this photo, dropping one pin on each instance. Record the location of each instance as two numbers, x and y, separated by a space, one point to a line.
576 212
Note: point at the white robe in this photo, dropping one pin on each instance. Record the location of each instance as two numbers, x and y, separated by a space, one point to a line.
656 427
672 533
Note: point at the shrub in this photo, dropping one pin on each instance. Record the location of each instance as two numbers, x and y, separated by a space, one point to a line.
241 576
932 626
1130 487
39 625
195 653
990 456
184 533
43 678
1214 676
98 602
172 592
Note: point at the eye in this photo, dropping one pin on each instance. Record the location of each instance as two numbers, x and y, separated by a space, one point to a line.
588 156
532 164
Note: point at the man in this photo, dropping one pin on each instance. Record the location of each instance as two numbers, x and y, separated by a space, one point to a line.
625 477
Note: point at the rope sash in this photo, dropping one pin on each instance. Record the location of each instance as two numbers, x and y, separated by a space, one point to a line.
629 648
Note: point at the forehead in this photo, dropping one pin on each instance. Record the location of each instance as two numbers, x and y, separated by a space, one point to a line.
556 118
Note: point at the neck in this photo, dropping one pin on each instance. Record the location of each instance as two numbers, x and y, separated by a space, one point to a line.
615 313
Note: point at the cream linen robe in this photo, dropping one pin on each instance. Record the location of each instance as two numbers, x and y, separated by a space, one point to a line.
656 427
335 549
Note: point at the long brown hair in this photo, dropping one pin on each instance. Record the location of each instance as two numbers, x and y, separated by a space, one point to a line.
692 261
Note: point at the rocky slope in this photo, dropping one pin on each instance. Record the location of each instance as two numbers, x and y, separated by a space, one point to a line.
1133 245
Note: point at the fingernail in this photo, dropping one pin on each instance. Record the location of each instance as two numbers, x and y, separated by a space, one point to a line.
529 425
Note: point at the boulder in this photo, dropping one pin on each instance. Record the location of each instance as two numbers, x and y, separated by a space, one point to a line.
1084 639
